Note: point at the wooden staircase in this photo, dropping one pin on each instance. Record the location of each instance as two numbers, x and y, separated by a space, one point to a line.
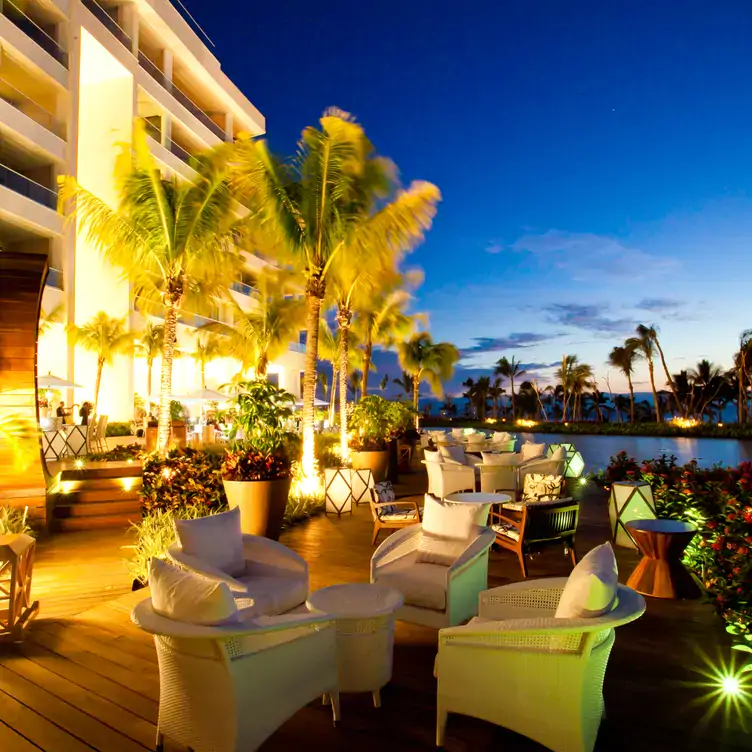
100 495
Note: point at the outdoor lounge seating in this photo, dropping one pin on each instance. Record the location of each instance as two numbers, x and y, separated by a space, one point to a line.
388 512
520 667
435 594
265 570
445 477
543 466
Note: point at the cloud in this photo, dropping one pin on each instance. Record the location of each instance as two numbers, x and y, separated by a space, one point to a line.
586 256
591 318
494 248
659 305
515 340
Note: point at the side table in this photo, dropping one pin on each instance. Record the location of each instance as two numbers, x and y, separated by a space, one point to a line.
660 572
364 617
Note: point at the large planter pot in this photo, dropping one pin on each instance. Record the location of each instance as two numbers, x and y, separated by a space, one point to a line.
178 435
376 462
262 504
151 437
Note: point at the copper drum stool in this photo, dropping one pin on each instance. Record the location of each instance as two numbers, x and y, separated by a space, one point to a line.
660 572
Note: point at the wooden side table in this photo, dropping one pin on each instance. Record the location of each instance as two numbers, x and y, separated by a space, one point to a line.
661 573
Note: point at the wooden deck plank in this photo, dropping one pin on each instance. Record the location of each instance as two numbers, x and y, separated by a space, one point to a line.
13 742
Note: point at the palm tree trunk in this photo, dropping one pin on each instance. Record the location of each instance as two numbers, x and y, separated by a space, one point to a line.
658 416
740 399
416 390
313 305
669 380
98 382
344 318
203 375
149 364
332 392
165 385
262 366
631 398
367 353
514 399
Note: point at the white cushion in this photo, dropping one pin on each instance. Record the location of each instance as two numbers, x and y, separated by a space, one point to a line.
507 530
476 438
447 531
558 454
190 597
216 540
507 459
530 451
458 433
538 487
406 514
501 436
591 588
421 585
453 454
430 456
268 596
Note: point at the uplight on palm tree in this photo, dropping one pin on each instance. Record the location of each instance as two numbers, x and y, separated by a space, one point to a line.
427 360
107 338
310 214
149 345
173 240
510 369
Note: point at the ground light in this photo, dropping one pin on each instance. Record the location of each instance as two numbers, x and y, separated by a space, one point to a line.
727 685
79 464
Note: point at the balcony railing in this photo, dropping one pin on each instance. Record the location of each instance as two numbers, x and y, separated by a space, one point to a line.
55 278
179 151
18 183
153 70
297 347
152 130
32 30
108 21
244 289
28 107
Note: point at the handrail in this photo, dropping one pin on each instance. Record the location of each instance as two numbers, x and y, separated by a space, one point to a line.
244 288
50 124
19 183
181 153
108 22
33 30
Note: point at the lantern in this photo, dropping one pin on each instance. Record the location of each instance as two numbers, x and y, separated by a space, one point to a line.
574 464
629 501
361 481
16 608
338 490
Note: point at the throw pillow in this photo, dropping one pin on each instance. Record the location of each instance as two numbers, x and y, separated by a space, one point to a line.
530 451
501 436
447 531
431 456
507 459
384 492
559 454
190 597
542 487
591 588
453 454
216 540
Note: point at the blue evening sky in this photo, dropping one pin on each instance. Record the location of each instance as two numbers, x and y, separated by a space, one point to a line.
594 158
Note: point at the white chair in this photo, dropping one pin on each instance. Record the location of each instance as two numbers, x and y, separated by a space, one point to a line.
531 451
445 478
228 688
100 440
434 595
498 479
275 577
519 667
539 467
503 446
91 434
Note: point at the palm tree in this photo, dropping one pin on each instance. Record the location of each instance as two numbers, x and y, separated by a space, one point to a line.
405 382
106 337
209 347
355 384
429 360
335 202
46 320
644 346
623 358
322 381
653 333
173 240
510 369
384 383
496 392
150 344
581 378
329 351
743 363
566 375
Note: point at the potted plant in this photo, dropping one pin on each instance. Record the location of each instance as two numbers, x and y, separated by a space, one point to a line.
179 436
257 468
371 422
402 433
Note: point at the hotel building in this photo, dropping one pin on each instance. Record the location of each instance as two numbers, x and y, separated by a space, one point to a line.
75 75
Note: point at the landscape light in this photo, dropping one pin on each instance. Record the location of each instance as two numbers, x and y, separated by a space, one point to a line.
730 685
583 481
79 464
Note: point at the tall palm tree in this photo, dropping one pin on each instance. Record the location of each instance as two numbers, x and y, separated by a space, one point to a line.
566 375
329 351
384 383
623 358
643 344
46 320
106 337
581 378
510 369
743 365
322 381
150 344
172 239
209 347
355 384
335 201
653 332
429 360
495 392
405 382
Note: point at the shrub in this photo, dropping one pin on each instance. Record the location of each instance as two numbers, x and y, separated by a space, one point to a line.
13 521
177 411
119 454
119 429
185 478
326 449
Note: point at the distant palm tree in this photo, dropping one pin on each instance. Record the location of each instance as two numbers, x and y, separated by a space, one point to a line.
46 320
355 384
510 369
477 393
653 330
150 344
106 337
405 382
623 357
643 344
565 375
743 362
209 347
384 383
323 382
496 392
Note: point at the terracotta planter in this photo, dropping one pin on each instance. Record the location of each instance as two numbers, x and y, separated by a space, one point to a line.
262 504
376 462
178 435
151 438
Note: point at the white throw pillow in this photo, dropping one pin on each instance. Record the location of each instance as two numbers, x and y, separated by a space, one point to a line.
530 451
432 456
591 588
476 437
453 454
190 597
501 436
457 433
508 459
559 454
216 540
447 530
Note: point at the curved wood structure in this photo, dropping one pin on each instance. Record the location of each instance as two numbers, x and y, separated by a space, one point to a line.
22 278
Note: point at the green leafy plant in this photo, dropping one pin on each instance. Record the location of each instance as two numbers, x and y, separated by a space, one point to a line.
177 411
14 521
401 421
119 429
371 422
121 453
327 452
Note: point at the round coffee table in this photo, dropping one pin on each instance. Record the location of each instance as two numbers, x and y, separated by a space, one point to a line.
660 572
364 617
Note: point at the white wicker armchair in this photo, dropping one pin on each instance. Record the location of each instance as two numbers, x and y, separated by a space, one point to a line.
434 595
519 667
228 688
275 576
445 478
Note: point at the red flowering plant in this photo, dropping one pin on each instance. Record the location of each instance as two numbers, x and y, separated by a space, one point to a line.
718 501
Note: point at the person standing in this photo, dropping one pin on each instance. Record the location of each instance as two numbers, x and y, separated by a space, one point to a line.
84 413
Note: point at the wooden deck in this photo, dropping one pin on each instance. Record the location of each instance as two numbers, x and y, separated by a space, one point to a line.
87 678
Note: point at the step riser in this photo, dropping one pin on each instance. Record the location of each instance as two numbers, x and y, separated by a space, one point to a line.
100 510
120 521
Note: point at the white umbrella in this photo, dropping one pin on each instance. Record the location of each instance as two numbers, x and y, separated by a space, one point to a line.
55 382
207 395
316 403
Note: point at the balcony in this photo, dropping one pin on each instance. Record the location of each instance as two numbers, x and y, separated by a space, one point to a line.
32 30
24 186
108 22
153 70
244 289
298 347
30 108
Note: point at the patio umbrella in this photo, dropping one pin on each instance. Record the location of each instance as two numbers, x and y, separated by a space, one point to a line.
316 403
55 382
207 395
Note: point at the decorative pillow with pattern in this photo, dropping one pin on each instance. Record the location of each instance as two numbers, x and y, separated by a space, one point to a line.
384 492
538 487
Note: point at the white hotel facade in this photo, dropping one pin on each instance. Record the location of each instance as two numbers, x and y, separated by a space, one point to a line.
74 77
